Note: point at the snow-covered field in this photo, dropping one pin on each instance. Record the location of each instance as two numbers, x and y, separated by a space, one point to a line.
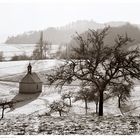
71 123
28 117
10 50
9 89
49 94
17 67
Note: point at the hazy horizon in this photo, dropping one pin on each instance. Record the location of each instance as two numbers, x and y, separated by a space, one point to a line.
18 17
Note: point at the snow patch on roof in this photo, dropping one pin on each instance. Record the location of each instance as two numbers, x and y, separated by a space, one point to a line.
31 78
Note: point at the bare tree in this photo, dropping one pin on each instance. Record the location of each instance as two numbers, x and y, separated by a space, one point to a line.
58 106
94 97
98 64
4 104
122 91
89 94
68 95
84 95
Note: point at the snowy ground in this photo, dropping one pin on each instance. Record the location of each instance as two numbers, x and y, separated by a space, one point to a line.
10 50
35 105
14 68
10 89
70 125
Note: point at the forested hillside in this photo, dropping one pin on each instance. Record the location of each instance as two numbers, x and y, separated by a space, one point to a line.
60 35
127 29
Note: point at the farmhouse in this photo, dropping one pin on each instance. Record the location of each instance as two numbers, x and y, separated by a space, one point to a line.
30 83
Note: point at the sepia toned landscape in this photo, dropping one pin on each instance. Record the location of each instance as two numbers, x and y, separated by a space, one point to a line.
67 75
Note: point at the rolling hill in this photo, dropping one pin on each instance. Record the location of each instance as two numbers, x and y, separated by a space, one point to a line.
132 31
59 35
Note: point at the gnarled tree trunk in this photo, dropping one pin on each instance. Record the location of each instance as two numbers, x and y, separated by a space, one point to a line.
119 102
101 104
96 107
2 115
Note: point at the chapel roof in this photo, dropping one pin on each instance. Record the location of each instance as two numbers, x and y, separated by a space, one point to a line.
31 78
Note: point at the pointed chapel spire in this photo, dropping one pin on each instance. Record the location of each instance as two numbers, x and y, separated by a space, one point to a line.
29 68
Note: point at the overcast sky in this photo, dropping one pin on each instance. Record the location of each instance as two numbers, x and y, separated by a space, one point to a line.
17 16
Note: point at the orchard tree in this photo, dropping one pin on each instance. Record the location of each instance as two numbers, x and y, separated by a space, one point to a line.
90 94
4 104
99 64
68 95
87 94
58 106
83 94
94 97
122 92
